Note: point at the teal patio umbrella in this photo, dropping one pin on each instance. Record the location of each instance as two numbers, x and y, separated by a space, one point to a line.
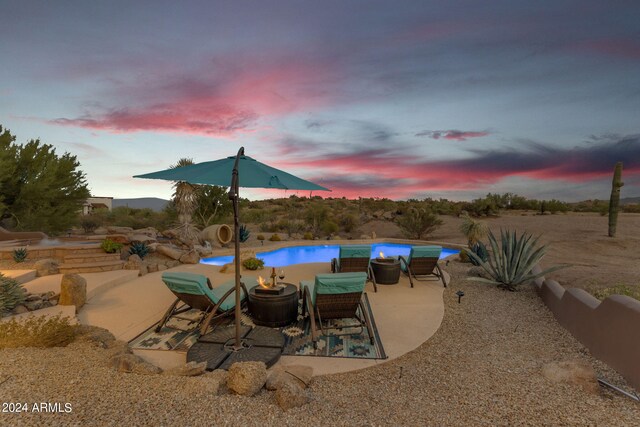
234 172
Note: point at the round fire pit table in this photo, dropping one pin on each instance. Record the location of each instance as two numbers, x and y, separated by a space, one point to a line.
386 270
274 310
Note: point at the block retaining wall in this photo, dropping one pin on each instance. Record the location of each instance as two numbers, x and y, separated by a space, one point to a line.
609 329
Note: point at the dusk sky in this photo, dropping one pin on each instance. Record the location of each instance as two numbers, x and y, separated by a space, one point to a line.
398 99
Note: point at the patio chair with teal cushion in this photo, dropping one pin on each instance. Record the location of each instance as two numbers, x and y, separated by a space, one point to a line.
354 258
196 292
336 296
422 261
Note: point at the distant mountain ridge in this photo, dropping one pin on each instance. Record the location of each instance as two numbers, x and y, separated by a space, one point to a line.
630 200
153 203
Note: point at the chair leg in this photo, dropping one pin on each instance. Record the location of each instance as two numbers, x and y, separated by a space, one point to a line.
441 275
410 273
312 316
167 315
367 321
373 279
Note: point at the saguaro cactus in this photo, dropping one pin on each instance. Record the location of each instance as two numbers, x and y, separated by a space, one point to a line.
614 201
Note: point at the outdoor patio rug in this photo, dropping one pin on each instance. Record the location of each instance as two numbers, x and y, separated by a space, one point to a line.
297 338
354 345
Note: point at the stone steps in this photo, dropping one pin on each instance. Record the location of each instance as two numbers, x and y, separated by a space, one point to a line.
90 258
91 267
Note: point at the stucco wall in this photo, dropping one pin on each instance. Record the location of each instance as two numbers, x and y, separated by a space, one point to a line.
609 329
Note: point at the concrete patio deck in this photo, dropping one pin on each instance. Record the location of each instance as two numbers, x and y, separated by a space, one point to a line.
405 317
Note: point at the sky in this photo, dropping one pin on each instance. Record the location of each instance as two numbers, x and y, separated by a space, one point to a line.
407 99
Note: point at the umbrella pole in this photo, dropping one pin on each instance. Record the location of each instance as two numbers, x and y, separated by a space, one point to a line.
233 195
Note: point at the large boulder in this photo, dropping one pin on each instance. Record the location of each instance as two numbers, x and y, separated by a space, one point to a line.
190 257
133 262
142 238
46 267
280 375
73 290
247 378
119 230
169 251
149 231
125 362
575 372
292 395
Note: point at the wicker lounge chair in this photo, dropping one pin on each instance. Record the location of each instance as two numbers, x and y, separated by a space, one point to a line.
336 296
422 261
354 258
195 291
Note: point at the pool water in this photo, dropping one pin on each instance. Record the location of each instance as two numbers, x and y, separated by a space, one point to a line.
321 253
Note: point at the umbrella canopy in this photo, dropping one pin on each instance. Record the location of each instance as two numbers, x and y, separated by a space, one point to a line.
234 172
251 173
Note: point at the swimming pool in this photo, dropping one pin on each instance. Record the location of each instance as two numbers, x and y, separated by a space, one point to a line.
319 253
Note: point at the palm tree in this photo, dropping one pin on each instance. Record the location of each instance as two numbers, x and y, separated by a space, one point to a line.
185 200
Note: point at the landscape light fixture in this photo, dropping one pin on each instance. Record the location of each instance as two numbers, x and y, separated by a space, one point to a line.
460 295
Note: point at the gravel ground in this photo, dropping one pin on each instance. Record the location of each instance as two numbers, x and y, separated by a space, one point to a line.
482 367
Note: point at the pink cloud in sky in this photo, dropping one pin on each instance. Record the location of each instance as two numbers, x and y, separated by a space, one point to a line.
622 48
220 103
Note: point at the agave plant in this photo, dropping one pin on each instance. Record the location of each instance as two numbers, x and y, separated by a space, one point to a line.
480 250
20 254
244 233
11 293
512 262
139 248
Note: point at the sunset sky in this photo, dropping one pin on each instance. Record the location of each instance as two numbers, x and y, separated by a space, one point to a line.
407 99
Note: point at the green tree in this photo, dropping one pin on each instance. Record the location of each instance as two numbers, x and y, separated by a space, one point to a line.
212 203
417 223
39 190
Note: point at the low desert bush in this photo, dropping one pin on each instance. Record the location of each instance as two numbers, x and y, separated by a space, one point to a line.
308 236
275 237
630 291
253 264
90 222
418 223
111 247
37 331
260 237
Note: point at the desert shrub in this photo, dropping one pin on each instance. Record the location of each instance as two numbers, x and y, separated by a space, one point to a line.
244 233
90 222
253 264
630 291
472 229
111 247
315 215
139 248
260 237
512 261
308 236
37 331
11 293
20 254
329 227
275 238
417 223
348 222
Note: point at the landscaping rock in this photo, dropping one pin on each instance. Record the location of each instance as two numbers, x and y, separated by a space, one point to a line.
298 374
46 267
247 378
573 372
144 269
113 229
162 267
291 395
220 376
168 251
172 263
148 231
190 257
125 362
118 238
73 290
365 237
19 309
101 231
133 262
190 369
152 268
34 305
99 336
142 238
